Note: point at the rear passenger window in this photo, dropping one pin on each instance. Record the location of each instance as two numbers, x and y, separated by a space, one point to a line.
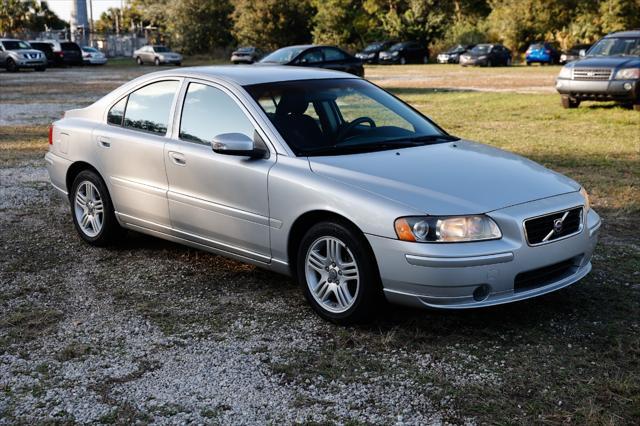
333 55
116 113
209 112
148 108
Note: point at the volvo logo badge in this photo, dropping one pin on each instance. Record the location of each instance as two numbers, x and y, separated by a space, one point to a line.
557 225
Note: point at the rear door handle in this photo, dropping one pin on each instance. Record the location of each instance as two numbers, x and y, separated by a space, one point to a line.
177 158
104 141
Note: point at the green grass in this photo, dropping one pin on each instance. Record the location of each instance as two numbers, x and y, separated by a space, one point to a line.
597 144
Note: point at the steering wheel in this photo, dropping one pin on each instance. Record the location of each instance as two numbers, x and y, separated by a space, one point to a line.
351 125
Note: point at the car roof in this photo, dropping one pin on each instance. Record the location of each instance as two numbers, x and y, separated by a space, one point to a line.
10 39
245 75
631 33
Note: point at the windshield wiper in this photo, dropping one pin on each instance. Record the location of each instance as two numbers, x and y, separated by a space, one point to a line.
379 146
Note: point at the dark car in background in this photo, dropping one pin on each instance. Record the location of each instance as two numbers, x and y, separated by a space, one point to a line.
542 53
573 53
246 55
452 56
65 52
486 55
47 49
371 53
407 52
308 55
610 71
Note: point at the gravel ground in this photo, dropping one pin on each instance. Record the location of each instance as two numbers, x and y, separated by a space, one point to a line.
153 332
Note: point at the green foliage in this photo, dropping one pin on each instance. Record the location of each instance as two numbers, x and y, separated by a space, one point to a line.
340 22
271 24
211 29
18 16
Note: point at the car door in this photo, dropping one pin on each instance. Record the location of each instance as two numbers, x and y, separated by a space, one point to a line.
311 58
216 199
335 59
130 153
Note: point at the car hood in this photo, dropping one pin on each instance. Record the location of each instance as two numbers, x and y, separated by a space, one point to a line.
447 179
607 62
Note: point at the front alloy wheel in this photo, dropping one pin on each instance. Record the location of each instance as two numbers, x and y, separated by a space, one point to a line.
332 274
338 273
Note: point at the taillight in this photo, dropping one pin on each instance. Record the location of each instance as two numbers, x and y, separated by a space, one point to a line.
51 135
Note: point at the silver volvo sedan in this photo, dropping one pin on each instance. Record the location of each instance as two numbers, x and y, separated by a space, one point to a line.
326 177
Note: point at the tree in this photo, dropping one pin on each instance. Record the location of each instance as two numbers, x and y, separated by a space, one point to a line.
200 25
271 24
18 16
342 22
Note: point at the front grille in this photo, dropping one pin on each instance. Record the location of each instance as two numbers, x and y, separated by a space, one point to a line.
545 229
591 74
546 275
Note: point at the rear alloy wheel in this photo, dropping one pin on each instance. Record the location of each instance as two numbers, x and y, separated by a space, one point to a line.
156 62
92 211
139 60
569 102
338 274
11 65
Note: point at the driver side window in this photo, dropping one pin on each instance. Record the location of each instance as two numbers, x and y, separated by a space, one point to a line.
313 56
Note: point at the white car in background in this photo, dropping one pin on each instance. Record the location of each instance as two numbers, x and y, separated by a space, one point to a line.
156 55
92 56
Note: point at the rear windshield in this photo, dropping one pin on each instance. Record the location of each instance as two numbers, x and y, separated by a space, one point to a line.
481 48
245 49
15 45
160 49
536 46
69 46
283 55
42 46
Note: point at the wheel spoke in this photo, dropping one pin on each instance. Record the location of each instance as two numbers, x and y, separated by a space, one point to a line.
350 271
317 261
95 224
85 220
98 207
81 200
322 289
88 189
342 296
333 249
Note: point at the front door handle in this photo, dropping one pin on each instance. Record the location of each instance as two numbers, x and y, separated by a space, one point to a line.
177 158
104 141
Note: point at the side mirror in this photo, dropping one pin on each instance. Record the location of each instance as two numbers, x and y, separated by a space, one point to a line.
582 53
237 144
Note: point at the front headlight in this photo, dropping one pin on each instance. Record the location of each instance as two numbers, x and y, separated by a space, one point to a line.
482 57
565 72
432 229
587 202
396 53
628 74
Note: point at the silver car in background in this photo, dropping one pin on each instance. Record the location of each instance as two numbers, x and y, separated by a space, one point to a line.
16 54
326 177
157 55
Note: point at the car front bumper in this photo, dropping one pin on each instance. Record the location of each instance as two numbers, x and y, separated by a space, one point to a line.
389 59
607 90
450 275
474 61
95 61
31 63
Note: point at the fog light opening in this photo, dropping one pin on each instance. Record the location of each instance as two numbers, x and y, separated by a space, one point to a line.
481 293
627 86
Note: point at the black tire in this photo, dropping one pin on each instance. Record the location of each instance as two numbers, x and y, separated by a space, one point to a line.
528 63
139 61
403 61
368 296
111 230
179 64
425 59
636 106
41 69
11 65
569 102
156 62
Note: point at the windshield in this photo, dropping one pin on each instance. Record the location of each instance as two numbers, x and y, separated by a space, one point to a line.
481 49
245 49
397 46
16 45
456 49
342 116
160 49
89 49
284 55
614 46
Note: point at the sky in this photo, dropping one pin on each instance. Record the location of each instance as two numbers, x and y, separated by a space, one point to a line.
63 7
